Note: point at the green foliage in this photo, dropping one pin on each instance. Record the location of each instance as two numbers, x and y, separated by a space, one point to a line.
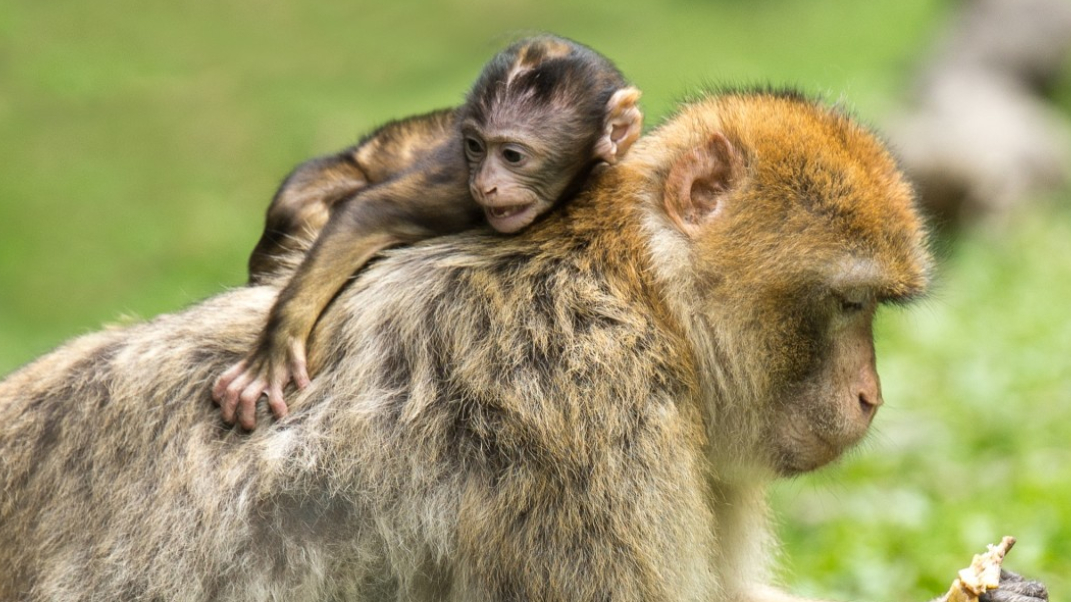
142 140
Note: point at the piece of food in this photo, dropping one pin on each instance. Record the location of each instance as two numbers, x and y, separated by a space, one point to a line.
983 574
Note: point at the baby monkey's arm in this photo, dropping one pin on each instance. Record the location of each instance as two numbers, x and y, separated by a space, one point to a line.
430 199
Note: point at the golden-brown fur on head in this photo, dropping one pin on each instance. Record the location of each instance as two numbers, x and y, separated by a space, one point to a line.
831 163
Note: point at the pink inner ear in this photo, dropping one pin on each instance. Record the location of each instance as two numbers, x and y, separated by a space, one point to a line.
700 181
705 195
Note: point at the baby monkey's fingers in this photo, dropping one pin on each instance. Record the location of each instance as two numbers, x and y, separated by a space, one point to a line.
270 379
219 389
298 367
247 401
267 377
275 400
233 392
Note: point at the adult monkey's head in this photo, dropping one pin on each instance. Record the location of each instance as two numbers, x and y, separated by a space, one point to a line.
781 227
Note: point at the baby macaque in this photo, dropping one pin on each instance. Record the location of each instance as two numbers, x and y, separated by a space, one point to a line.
542 114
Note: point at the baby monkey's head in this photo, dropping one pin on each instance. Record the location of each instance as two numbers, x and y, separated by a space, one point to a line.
542 113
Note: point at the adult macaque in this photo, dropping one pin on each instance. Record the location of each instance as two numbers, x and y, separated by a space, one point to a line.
590 410
541 115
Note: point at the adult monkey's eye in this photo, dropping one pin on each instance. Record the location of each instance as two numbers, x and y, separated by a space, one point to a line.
474 146
852 305
512 156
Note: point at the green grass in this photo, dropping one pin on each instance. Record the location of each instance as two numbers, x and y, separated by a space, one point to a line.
142 140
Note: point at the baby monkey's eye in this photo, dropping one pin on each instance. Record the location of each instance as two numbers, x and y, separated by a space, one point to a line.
474 146
512 156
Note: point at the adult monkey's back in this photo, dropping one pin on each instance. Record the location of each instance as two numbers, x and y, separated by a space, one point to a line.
588 411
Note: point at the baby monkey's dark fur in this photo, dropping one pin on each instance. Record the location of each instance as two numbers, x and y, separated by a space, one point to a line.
542 114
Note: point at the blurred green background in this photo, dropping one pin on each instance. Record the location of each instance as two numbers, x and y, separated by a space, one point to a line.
141 140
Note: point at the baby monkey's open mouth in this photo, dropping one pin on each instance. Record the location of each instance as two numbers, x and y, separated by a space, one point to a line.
506 211
510 218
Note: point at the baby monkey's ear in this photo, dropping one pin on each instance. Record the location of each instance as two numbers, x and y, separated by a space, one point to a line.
621 127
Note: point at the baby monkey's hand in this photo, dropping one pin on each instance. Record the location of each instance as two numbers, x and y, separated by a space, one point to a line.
267 370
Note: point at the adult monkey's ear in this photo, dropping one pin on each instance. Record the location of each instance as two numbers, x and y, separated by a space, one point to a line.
621 126
700 181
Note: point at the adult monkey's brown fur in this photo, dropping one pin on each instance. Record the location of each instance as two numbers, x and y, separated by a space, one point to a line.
590 410
543 113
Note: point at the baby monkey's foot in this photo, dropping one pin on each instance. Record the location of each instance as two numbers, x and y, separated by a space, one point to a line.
238 389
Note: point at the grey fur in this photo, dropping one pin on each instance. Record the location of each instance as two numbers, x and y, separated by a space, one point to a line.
122 484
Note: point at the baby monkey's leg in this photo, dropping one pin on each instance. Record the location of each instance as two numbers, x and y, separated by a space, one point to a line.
302 205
